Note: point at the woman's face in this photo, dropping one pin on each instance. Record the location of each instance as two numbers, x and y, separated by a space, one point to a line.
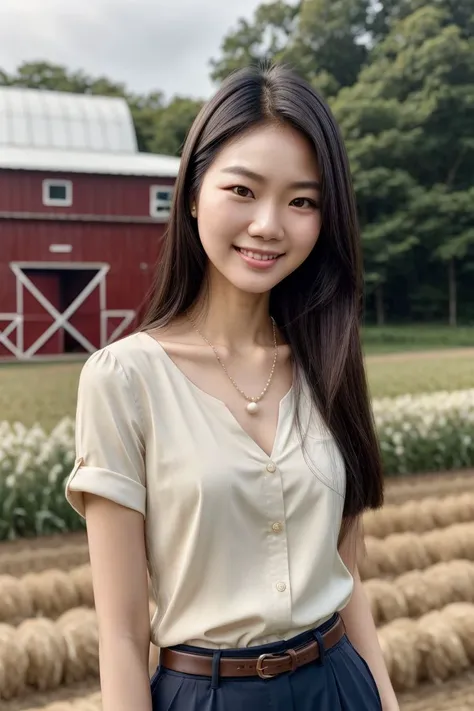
258 208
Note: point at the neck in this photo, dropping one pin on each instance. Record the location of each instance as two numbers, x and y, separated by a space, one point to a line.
234 319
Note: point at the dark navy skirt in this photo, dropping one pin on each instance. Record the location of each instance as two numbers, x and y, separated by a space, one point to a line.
339 680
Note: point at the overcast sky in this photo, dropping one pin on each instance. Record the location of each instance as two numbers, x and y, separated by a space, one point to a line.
148 44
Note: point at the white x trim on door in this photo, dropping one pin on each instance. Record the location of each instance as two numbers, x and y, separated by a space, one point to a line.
60 320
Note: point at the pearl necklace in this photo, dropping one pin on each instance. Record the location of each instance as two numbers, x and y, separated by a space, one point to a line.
252 402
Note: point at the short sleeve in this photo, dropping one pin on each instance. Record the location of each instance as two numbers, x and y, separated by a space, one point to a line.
110 450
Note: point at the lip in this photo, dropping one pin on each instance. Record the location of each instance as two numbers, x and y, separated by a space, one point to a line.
259 263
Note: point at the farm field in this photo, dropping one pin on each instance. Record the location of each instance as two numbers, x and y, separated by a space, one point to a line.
418 570
45 393
418 574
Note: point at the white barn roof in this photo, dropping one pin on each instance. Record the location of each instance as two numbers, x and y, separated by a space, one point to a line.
31 118
146 164
64 132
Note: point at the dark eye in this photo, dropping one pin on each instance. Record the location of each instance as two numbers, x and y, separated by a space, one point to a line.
241 191
300 202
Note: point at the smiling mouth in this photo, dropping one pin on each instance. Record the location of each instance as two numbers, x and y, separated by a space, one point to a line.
258 256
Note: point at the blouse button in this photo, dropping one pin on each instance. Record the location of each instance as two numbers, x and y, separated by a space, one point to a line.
271 467
277 527
281 587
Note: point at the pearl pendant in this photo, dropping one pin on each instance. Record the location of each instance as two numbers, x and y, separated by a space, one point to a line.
252 408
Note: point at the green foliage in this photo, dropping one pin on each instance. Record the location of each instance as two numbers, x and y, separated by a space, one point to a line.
33 466
172 124
55 77
408 124
432 337
399 76
426 432
265 39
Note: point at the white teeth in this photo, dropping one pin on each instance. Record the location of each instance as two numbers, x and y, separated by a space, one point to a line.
259 257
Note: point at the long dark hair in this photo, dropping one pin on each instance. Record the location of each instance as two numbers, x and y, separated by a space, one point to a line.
318 307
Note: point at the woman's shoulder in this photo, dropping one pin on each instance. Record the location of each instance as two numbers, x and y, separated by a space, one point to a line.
128 358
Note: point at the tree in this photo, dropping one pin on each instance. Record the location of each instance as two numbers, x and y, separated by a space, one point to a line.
266 38
330 40
321 39
386 14
411 112
448 215
55 77
172 123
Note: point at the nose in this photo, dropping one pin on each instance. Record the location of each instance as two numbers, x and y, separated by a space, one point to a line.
266 223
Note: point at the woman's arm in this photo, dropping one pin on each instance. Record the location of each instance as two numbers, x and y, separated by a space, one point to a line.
360 625
119 572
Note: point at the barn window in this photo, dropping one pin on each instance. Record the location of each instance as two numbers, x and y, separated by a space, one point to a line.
57 193
160 200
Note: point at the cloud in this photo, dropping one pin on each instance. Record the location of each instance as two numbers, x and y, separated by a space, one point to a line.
147 44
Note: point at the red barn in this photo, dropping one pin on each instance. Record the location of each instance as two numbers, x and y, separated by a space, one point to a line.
82 213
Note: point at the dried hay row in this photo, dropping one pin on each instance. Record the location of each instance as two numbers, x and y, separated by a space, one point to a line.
39 699
402 552
49 593
456 694
93 702
418 592
53 592
434 648
44 654
34 561
419 516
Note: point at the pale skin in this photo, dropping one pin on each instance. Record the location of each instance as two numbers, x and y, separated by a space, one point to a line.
264 212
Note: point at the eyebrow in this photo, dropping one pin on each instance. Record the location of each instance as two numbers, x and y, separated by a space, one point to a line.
246 173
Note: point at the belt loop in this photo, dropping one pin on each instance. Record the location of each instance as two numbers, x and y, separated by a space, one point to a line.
319 639
216 662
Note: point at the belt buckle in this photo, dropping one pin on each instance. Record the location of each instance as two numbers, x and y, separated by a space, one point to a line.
260 661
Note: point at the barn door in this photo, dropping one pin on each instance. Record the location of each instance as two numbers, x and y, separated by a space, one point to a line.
62 308
36 316
86 318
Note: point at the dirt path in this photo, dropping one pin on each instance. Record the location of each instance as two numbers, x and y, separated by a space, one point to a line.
420 355
453 695
41 542
398 490
38 700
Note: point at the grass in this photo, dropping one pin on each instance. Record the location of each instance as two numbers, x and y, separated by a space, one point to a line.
47 392
394 339
38 393
415 373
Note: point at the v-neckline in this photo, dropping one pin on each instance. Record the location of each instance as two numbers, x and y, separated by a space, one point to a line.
223 405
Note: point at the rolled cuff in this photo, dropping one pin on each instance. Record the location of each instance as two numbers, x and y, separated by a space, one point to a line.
106 483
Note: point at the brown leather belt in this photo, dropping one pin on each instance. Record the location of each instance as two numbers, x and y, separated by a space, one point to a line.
265 666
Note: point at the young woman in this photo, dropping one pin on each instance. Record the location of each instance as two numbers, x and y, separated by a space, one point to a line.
228 447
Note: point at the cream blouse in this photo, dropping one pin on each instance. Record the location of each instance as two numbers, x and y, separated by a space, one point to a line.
241 547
